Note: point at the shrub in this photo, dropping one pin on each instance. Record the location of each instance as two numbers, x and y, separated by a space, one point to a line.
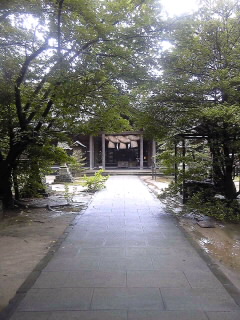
218 208
96 182
28 176
205 203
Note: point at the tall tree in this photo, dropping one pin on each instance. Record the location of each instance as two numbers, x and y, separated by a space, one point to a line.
62 62
199 85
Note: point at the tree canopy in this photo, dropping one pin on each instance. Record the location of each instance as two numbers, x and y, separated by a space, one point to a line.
198 89
77 65
63 62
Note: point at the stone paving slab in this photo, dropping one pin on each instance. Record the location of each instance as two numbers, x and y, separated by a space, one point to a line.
126 259
157 279
31 316
72 315
178 263
73 264
57 299
127 298
127 263
90 315
51 280
198 299
166 315
81 279
234 315
202 279
102 252
123 315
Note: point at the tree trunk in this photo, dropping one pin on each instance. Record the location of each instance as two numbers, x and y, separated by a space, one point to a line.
217 171
230 191
223 171
15 185
6 169
6 185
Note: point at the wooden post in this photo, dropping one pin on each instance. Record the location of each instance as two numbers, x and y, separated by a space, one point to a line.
141 152
175 163
183 154
91 152
153 149
154 169
103 152
184 169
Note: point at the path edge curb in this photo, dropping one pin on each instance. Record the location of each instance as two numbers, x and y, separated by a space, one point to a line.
213 266
9 310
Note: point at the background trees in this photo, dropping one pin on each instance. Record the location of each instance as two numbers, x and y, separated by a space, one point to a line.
199 86
63 62
95 65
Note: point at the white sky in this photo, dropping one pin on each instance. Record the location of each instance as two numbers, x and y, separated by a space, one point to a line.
178 7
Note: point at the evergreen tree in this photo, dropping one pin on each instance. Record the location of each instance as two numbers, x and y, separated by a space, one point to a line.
198 90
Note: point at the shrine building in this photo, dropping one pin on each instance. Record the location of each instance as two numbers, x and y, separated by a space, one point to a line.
126 150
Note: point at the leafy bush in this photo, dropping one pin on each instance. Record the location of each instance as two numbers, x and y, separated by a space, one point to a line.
96 182
218 208
205 203
200 198
29 175
68 195
171 191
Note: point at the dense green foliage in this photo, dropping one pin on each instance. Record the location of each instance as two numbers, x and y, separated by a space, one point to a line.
74 66
214 207
194 165
35 163
96 182
198 89
66 63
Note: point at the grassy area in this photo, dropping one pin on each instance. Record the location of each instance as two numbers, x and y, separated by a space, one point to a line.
164 179
78 182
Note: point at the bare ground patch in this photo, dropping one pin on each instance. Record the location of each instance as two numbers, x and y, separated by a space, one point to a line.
27 237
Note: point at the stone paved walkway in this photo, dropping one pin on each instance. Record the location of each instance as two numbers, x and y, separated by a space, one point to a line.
126 259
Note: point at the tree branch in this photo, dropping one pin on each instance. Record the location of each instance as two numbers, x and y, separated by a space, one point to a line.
36 91
59 14
33 113
26 64
3 45
19 81
44 115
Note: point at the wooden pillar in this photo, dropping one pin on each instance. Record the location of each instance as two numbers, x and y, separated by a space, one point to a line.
91 152
183 154
103 152
184 191
175 163
141 152
153 150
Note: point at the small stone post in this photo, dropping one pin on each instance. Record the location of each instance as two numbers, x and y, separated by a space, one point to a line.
64 175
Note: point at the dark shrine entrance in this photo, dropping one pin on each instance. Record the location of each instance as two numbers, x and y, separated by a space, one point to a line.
127 150
128 158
